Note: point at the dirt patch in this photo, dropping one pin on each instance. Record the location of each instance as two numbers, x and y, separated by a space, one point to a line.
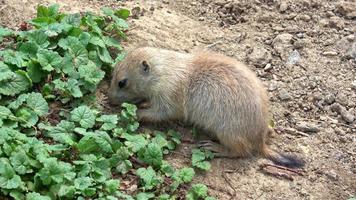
305 53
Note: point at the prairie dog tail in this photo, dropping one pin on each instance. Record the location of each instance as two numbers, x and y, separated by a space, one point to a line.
282 159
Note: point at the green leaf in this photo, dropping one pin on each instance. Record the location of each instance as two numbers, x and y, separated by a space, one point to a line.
66 191
37 103
5 32
112 42
35 72
149 177
197 191
199 159
122 13
39 37
76 50
5 113
136 142
20 162
36 196
49 59
83 183
51 11
13 57
18 82
71 86
8 177
92 143
97 41
84 116
72 19
186 174
29 49
91 74
27 117
104 55
167 169
63 132
144 196
109 121
5 72
112 185
152 155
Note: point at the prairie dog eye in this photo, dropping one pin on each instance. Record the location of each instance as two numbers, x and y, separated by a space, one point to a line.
145 66
122 83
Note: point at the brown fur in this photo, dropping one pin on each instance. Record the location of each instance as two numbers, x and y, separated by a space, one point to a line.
210 90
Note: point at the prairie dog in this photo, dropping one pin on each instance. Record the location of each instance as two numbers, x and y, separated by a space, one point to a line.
211 91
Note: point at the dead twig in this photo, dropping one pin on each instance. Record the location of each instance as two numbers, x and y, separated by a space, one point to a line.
277 174
294 131
229 183
213 44
296 171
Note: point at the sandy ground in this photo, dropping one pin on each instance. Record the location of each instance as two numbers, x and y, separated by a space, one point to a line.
305 53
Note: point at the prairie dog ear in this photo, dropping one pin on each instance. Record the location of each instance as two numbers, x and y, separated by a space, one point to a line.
145 67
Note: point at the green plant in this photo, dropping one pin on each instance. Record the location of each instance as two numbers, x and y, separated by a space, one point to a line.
55 140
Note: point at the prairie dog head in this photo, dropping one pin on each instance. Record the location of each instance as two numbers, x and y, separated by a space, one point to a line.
132 78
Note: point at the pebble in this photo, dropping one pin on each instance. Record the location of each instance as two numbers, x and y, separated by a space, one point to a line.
346 115
283 6
329 53
351 52
336 22
259 57
307 127
294 57
332 175
353 85
284 95
282 43
268 67
329 99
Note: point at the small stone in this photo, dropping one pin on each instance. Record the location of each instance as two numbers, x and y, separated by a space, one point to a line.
332 175
329 99
300 35
294 57
350 38
282 43
283 6
299 44
268 67
336 22
135 12
346 115
346 9
351 52
353 85
342 98
259 57
335 107
303 18
329 53
307 127
201 18
165 1
284 95
329 14
273 86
